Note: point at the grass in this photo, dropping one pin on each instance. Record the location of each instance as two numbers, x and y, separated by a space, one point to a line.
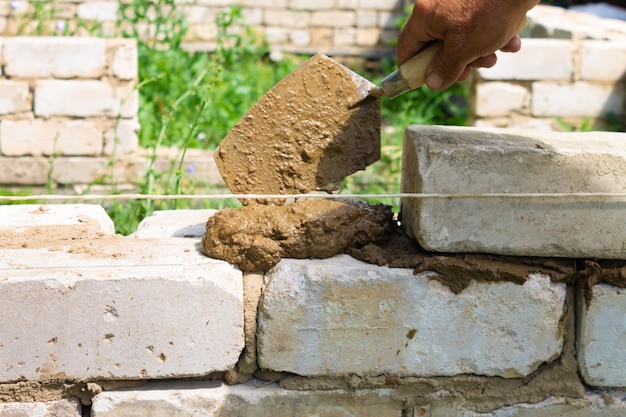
193 100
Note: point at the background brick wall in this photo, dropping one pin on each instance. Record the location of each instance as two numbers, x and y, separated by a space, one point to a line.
569 73
67 105
345 27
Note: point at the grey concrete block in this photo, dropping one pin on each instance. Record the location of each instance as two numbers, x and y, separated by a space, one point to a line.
601 336
23 216
342 316
211 398
117 308
462 160
174 223
61 408
607 404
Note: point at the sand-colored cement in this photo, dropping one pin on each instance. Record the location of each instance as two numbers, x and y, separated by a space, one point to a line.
256 236
304 133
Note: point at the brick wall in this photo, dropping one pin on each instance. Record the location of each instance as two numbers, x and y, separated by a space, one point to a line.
571 67
344 27
67 105
101 325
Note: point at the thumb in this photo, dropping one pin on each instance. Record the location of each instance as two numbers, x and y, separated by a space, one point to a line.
445 68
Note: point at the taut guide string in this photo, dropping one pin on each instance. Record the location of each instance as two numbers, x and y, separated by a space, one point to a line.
92 197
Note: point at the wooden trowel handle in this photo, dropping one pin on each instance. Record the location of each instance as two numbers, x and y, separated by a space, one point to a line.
414 70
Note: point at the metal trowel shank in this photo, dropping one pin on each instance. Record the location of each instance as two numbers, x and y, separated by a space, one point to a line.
303 134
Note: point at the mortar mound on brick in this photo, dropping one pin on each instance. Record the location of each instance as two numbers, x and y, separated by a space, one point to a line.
257 236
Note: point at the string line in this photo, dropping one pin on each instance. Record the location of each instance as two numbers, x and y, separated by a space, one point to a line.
423 196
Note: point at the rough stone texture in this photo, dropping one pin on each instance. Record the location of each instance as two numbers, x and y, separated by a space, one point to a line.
78 304
83 98
13 96
580 99
529 62
607 404
454 160
60 408
22 216
602 336
61 57
214 399
174 223
50 137
372 320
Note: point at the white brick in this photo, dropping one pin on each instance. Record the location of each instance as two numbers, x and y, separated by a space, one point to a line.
122 139
366 19
102 11
14 97
602 60
580 99
16 6
211 398
335 19
124 65
367 37
602 336
156 309
20 217
84 98
220 3
88 169
24 170
371 320
198 14
50 137
286 18
275 34
300 37
61 57
4 24
602 404
252 17
530 62
265 4
174 223
344 36
499 99
60 408
464 160
347 4
312 5
380 4
388 20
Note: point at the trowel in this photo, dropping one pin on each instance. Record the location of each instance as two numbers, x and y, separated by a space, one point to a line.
318 125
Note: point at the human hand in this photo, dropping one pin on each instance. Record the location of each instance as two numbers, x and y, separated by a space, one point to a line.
471 31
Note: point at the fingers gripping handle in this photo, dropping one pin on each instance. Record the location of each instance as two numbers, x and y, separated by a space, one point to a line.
412 73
